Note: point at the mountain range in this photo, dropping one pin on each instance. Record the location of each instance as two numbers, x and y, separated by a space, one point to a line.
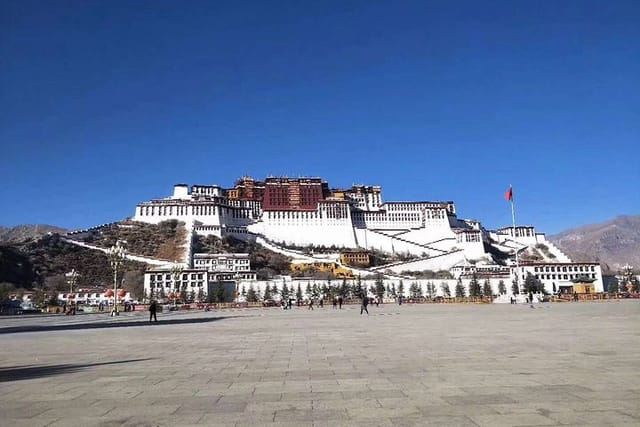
613 243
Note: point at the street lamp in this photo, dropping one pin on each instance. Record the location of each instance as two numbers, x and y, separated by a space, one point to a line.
176 272
117 255
72 276
236 279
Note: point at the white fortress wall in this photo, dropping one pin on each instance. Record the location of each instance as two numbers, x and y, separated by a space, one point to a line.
158 211
327 226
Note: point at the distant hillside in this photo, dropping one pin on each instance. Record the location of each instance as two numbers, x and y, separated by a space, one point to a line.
21 233
165 240
613 243
44 261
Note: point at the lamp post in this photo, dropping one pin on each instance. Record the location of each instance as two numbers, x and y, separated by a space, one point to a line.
236 279
72 276
117 255
176 272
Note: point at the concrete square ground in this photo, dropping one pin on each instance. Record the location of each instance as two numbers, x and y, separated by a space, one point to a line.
450 365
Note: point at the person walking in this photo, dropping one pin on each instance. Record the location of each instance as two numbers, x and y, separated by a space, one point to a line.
310 304
153 309
530 299
335 303
340 302
365 303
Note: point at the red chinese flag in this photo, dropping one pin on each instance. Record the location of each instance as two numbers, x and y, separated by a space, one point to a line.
509 194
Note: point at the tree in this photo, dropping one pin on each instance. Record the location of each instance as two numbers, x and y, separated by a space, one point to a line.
251 294
358 288
284 293
344 289
613 287
460 291
486 289
379 286
531 284
515 289
474 287
393 290
134 282
307 291
445 289
274 290
431 289
299 293
219 291
401 289
200 296
502 288
267 293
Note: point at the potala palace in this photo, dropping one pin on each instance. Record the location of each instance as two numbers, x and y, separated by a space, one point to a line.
288 213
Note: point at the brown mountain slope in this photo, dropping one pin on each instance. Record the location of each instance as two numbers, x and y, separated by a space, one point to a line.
613 243
21 233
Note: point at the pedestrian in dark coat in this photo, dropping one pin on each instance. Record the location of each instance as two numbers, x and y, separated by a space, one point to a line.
365 303
153 309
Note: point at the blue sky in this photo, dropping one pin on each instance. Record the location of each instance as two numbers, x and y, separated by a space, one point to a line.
106 104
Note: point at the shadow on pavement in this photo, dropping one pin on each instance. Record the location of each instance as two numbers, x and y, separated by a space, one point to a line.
27 372
105 325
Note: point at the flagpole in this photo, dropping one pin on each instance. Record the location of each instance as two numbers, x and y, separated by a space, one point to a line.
513 222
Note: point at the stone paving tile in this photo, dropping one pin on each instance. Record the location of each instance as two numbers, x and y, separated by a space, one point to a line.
512 420
593 418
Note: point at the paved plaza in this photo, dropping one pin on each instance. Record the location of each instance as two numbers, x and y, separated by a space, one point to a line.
435 364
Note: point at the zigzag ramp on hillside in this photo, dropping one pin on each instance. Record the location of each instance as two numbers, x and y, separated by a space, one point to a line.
138 258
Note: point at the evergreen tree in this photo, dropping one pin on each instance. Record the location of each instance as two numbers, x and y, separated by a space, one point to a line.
307 291
267 293
244 291
200 295
413 292
445 289
379 286
431 289
388 289
344 289
284 293
502 288
393 290
315 290
460 291
486 289
251 294
325 290
401 289
358 288
274 290
299 293
531 284
515 289
474 287
219 291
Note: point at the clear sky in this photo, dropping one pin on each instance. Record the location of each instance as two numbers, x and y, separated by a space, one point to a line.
104 104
